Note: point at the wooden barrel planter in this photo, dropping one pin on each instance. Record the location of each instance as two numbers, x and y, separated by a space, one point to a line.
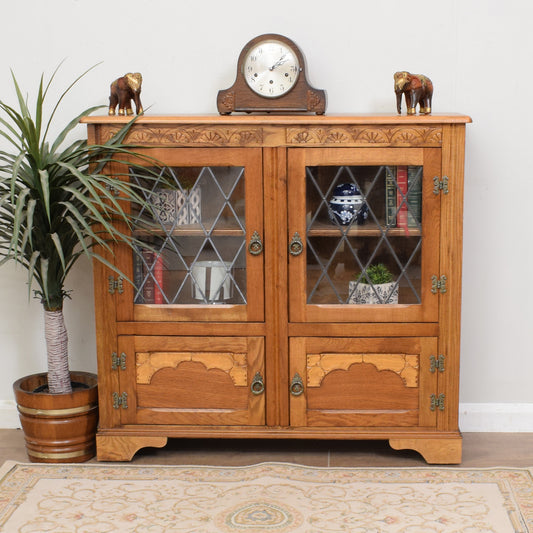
58 428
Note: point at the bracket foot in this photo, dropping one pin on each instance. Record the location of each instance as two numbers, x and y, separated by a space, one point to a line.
434 451
123 448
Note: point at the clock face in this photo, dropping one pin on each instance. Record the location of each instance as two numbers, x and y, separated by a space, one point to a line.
271 68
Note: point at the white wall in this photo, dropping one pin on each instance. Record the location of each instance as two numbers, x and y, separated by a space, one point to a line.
478 55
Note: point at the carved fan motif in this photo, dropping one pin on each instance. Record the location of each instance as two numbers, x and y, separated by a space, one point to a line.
192 135
361 136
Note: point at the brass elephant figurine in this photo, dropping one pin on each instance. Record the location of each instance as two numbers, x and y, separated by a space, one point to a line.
123 91
418 90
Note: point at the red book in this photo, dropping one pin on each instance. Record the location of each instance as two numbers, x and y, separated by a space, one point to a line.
401 199
158 275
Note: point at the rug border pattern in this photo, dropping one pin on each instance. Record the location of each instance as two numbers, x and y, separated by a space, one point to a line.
515 484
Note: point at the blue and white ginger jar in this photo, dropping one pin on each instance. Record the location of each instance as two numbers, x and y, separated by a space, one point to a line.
347 205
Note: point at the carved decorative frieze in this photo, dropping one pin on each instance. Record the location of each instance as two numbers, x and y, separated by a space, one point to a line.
320 365
422 136
234 364
191 135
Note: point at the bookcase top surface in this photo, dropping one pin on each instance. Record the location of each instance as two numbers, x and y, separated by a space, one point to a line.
277 119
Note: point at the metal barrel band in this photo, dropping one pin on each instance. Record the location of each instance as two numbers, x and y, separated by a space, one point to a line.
61 455
58 412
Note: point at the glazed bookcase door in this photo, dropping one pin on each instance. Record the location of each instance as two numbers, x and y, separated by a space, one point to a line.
352 209
366 382
204 260
192 380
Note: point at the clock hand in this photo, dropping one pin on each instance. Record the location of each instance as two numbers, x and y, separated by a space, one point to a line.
280 61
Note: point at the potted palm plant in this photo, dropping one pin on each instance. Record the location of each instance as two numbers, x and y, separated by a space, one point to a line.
55 206
375 285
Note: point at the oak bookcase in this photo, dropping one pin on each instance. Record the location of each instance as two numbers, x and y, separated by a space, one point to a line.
241 322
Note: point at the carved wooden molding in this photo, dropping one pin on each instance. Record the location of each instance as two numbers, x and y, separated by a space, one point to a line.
366 135
191 135
247 135
227 101
234 364
320 365
315 101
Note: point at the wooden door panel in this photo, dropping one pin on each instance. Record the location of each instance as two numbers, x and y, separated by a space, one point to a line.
194 380
321 245
363 382
211 227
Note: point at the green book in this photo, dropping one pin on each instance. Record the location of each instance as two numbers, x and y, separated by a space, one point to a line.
414 199
390 197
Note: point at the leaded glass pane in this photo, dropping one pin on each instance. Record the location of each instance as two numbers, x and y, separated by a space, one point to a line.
364 229
196 254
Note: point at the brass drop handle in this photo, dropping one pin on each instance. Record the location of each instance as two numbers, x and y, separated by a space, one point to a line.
297 385
256 244
296 246
258 385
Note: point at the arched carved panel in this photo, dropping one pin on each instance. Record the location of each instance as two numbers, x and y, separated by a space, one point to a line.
233 364
191 386
363 389
320 365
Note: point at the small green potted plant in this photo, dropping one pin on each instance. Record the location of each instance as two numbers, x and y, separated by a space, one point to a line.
374 285
56 205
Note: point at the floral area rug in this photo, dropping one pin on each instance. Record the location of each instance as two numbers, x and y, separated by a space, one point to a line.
275 497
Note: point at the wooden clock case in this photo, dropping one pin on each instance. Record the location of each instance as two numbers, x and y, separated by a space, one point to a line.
301 98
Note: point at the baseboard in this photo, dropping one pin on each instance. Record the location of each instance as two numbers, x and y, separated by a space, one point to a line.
473 417
496 417
9 417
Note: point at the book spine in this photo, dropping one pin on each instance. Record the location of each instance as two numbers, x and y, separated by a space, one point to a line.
158 280
138 276
414 200
401 198
149 284
390 197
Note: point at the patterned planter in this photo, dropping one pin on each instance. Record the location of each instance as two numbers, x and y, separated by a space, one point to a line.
366 294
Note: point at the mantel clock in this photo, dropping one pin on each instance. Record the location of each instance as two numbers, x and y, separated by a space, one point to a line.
271 78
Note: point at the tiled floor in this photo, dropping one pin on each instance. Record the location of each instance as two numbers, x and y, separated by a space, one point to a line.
479 450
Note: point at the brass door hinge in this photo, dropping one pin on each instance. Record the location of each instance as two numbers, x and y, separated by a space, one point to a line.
440 185
120 400
115 285
436 363
437 402
118 361
438 285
